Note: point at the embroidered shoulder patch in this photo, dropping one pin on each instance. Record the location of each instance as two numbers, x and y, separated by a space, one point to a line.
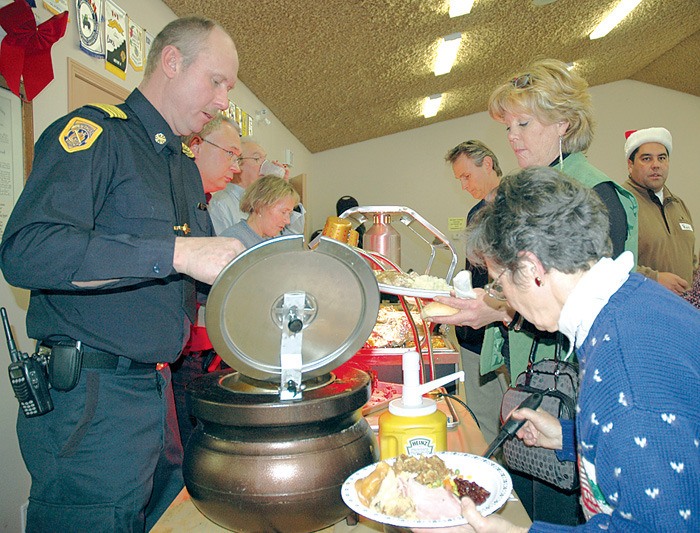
111 111
79 134
187 151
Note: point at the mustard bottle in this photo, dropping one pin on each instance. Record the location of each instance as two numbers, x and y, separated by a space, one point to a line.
413 424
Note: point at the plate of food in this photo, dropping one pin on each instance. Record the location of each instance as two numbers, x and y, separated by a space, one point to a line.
412 284
418 492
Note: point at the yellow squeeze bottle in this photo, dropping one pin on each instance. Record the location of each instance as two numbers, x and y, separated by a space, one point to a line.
413 424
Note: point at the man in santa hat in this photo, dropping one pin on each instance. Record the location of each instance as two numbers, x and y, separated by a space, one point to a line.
666 233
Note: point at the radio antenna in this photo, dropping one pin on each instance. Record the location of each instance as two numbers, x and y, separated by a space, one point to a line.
14 352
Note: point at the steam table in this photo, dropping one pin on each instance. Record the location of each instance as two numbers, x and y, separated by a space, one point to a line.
182 515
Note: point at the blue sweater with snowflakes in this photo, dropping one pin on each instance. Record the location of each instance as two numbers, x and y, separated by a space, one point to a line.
638 414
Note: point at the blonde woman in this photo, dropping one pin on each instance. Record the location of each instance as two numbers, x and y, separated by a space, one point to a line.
269 203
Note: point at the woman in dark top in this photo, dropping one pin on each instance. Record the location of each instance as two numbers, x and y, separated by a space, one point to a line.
548 115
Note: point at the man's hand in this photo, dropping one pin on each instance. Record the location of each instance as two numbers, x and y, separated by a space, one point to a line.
203 258
474 313
675 283
285 167
541 429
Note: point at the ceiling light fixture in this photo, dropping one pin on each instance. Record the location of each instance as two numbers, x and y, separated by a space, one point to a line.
614 18
460 7
431 105
447 53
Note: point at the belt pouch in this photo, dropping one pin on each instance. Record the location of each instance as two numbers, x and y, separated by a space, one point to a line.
65 363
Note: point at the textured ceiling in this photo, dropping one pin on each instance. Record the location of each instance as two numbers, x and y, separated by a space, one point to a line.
336 72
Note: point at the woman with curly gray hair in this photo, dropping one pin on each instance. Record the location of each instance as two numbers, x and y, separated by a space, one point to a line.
635 437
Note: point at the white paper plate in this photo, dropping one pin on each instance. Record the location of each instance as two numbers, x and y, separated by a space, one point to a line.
428 294
491 476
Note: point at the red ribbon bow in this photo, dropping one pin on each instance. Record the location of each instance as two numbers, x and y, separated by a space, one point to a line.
25 52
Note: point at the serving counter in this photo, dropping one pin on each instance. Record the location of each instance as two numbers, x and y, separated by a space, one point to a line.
182 515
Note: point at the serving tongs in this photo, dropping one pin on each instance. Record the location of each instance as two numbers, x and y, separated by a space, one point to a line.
511 426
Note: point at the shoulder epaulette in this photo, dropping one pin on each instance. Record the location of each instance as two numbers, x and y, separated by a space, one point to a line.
111 111
187 151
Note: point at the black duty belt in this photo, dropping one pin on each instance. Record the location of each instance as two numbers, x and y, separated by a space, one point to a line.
107 361
96 359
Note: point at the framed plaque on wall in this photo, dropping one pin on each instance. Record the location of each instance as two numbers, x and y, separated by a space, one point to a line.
16 148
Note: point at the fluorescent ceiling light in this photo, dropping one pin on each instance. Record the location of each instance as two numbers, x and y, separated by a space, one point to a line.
447 53
614 18
460 7
431 105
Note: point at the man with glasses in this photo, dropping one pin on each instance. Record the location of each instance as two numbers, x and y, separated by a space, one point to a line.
217 152
224 207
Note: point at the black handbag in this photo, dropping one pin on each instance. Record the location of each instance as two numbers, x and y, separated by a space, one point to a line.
557 380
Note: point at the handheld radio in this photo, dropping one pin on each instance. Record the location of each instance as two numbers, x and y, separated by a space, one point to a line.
27 376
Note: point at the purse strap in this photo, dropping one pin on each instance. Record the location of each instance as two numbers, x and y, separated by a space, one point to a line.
533 354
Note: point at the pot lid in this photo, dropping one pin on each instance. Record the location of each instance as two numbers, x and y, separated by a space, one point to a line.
244 309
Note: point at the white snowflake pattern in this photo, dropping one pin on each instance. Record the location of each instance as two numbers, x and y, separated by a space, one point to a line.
596 376
617 471
586 446
594 420
678 467
685 513
696 442
607 427
622 400
626 516
652 493
606 338
641 441
613 497
668 417
594 341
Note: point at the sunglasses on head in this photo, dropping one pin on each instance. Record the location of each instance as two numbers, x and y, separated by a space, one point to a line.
522 81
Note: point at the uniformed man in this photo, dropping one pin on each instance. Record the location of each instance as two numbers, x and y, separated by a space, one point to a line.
108 237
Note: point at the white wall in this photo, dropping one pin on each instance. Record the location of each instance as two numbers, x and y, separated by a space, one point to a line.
409 169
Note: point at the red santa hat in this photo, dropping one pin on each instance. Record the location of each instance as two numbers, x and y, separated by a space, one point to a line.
636 138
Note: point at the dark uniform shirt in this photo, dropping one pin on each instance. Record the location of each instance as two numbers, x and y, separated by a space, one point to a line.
104 212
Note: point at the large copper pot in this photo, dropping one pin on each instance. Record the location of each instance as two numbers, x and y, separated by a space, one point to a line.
253 464
257 462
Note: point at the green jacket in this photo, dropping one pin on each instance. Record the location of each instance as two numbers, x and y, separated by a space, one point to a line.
577 167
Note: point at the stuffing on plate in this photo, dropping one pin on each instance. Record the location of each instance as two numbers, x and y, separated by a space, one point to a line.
417 488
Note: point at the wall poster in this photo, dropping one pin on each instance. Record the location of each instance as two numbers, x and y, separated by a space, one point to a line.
116 59
11 154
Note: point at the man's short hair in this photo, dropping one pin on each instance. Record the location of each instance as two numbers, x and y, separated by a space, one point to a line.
211 126
476 151
187 34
